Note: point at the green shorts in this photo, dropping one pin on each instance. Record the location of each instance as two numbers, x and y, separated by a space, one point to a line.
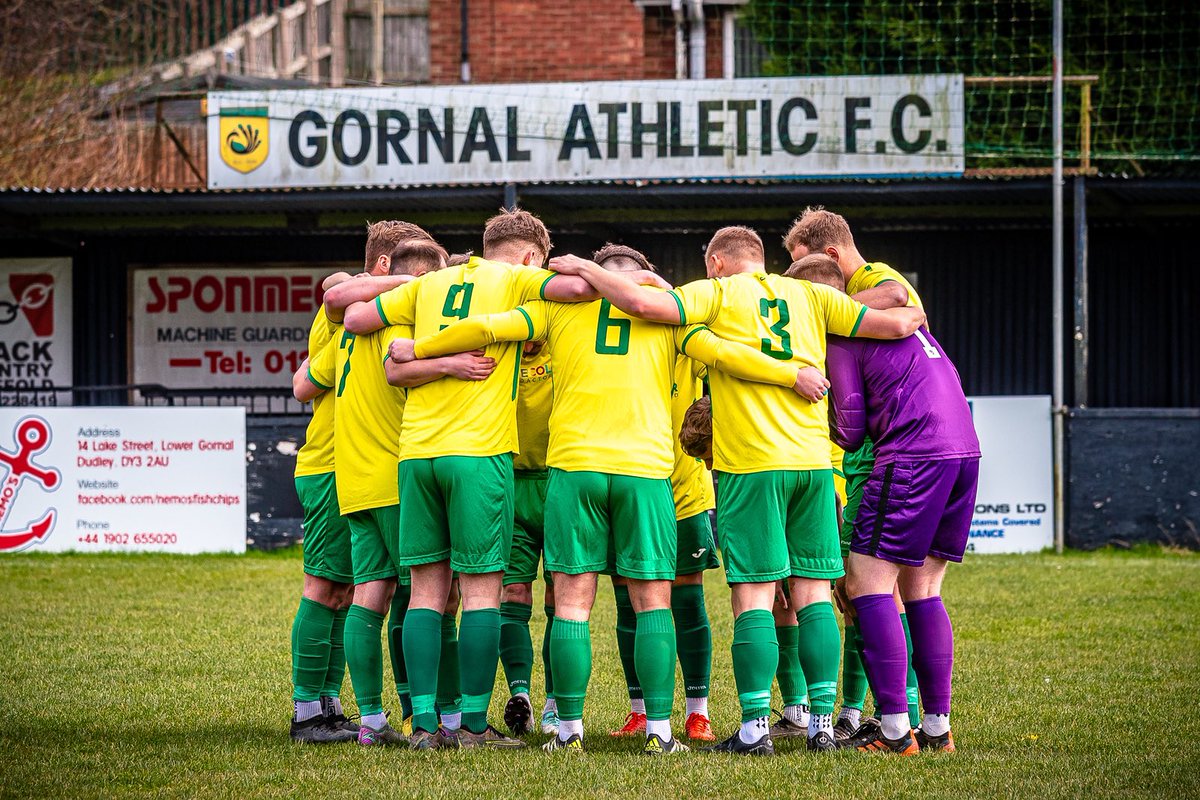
458 508
593 516
374 541
695 550
528 539
858 467
777 524
326 534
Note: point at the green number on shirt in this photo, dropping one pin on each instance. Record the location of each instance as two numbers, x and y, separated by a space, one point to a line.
347 339
607 323
784 351
458 300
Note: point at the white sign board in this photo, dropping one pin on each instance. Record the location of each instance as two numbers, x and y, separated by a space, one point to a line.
222 328
35 329
614 130
123 479
1014 510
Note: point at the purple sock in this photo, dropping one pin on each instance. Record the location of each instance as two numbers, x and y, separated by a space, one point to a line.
933 652
885 654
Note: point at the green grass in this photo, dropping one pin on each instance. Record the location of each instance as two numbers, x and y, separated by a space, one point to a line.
138 675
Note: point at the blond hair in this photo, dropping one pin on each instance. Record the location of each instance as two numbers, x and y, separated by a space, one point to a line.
735 243
818 229
515 225
416 257
383 236
818 268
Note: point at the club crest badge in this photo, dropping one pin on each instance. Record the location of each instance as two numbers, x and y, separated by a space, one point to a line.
245 137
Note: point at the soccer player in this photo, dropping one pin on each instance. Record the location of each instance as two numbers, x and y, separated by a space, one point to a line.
692 490
318 656
909 397
367 420
455 470
535 396
609 496
877 285
775 507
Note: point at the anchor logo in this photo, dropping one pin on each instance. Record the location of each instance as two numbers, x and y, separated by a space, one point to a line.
32 437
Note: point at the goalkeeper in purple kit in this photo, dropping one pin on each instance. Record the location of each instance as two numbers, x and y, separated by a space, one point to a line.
914 518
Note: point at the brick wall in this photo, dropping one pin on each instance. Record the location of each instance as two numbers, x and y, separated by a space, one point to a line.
518 41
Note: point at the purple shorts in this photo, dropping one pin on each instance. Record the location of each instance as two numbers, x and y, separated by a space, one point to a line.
914 509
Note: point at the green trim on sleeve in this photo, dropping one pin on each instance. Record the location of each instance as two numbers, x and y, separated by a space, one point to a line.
379 308
862 312
316 382
691 333
886 280
678 302
542 288
528 321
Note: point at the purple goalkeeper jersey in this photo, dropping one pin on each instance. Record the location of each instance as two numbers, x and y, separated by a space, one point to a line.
905 394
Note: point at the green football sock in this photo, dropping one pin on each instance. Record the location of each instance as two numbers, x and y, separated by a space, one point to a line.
820 654
336 672
546 652
911 689
854 675
479 646
792 686
626 632
693 638
654 657
449 697
571 655
311 631
516 646
755 656
396 647
364 656
422 654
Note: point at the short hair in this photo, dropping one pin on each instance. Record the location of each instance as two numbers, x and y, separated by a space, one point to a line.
695 435
817 229
818 268
458 259
736 242
416 257
611 250
515 225
383 236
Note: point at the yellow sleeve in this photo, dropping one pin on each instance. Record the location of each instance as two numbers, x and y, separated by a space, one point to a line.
530 282
733 358
398 306
322 367
698 301
523 322
842 314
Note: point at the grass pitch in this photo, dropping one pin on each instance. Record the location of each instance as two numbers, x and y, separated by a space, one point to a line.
169 676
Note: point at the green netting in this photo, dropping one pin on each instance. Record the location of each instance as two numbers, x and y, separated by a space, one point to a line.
1145 114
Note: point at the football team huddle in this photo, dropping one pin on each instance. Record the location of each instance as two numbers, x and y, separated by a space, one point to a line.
476 416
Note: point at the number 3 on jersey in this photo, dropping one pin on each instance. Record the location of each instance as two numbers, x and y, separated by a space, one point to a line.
784 351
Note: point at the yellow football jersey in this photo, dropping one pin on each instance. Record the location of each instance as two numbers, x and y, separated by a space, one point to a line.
691 482
367 419
612 379
758 427
535 398
463 418
875 273
316 456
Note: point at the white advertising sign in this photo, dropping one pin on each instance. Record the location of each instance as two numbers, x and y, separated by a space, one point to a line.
222 328
123 479
35 329
612 130
1014 510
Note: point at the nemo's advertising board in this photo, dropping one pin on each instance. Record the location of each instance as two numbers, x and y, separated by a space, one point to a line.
123 479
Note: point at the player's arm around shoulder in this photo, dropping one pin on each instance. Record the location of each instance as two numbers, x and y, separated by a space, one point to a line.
392 305
745 363
847 317
315 374
624 292
888 294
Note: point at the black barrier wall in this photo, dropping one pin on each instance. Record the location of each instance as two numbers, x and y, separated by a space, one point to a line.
1133 477
273 512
